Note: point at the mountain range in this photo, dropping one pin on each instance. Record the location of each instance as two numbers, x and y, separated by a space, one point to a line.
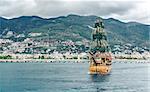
73 27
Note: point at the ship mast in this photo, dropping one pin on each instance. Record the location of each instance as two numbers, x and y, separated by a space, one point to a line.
99 39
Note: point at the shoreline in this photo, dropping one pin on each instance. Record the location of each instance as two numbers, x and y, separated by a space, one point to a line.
67 60
43 60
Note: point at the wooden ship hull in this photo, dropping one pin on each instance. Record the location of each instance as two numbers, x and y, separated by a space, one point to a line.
101 69
100 63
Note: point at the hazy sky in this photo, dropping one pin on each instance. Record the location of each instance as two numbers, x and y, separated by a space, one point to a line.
125 10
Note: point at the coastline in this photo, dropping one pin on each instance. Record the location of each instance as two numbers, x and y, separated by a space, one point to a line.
67 60
41 60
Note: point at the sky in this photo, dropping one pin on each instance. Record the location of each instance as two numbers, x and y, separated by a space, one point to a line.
124 10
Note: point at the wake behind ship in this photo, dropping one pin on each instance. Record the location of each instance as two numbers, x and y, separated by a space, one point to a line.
100 53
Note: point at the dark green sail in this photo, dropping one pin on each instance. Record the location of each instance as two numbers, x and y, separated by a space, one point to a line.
99 38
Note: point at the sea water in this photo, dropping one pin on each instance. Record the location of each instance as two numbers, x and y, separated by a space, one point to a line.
73 77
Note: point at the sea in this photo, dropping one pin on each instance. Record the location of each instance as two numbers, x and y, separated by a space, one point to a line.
73 77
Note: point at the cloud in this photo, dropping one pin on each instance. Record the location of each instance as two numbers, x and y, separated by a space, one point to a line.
125 10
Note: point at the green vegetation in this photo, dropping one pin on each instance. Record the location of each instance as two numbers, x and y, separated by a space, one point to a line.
6 57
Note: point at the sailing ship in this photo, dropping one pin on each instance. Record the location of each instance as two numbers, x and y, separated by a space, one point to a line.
100 52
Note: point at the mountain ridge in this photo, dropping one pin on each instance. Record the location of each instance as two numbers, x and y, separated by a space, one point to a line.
58 27
34 16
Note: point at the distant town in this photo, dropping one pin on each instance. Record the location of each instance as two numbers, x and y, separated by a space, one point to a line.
31 48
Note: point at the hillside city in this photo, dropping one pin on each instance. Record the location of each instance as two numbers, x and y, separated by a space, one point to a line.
54 49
